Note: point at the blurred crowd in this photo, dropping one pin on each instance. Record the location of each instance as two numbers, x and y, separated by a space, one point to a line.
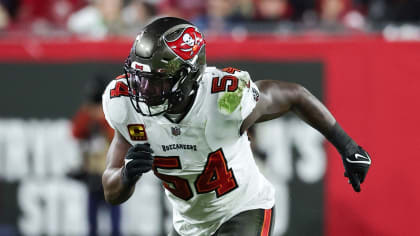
100 18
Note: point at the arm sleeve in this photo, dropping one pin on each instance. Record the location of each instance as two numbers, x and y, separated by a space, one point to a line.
238 104
105 105
115 109
229 108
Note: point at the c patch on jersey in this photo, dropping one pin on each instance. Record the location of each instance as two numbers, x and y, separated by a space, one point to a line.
137 132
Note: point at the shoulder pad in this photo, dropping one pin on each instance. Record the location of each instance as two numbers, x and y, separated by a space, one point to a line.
230 99
115 107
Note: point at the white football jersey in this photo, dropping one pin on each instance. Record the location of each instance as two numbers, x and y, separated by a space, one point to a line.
206 166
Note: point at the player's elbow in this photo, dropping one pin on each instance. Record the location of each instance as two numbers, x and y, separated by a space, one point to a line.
109 197
299 94
111 200
110 189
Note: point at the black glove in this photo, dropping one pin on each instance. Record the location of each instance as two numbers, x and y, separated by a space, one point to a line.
356 165
138 160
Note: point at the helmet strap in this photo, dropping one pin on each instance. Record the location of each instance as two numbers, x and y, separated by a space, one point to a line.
187 89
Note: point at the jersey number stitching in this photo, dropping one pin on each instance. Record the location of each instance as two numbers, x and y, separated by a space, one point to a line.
221 85
120 89
215 177
177 186
230 70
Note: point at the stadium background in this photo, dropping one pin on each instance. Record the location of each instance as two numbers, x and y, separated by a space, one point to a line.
369 80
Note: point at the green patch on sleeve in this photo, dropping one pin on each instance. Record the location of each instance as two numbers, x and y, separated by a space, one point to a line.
229 101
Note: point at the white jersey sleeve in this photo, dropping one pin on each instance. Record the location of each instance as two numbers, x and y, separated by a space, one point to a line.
240 96
105 105
113 106
117 107
233 96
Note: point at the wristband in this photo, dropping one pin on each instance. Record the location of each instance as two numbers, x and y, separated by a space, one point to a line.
341 140
126 180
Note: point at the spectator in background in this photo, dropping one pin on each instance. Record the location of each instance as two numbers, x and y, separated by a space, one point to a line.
8 12
4 17
90 128
331 11
136 14
220 16
98 19
339 14
245 9
189 9
45 17
268 14
272 10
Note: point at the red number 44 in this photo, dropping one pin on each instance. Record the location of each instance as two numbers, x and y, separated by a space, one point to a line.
215 177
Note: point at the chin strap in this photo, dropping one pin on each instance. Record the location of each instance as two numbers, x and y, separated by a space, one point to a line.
181 90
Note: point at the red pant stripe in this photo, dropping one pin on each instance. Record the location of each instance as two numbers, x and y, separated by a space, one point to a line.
267 223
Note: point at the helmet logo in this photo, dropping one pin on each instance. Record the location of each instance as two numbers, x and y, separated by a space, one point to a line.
188 44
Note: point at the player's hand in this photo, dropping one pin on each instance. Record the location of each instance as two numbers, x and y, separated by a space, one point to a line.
356 165
138 160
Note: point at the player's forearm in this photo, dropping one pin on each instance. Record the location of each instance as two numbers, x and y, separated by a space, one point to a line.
310 109
115 191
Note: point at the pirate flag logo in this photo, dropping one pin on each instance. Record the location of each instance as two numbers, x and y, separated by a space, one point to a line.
188 44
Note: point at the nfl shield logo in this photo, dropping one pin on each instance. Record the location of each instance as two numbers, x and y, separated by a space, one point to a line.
176 130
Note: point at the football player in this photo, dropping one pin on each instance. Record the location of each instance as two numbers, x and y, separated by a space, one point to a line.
187 122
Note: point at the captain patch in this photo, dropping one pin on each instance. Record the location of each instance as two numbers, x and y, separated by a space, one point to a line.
137 132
